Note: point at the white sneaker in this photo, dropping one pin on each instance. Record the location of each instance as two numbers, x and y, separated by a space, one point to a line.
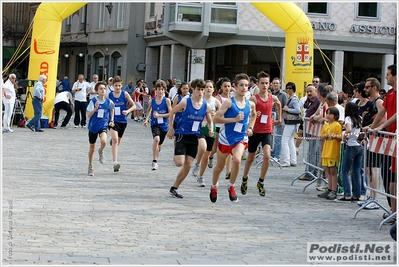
90 170
10 130
372 206
76 126
196 169
286 164
361 203
117 166
200 181
154 166
322 188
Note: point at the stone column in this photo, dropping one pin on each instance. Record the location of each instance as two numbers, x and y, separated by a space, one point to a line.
337 70
177 61
164 62
151 65
196 64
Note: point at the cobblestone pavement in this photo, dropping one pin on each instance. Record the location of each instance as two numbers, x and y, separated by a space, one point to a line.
53 213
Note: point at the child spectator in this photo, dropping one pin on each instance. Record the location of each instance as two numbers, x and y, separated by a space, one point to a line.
353 157
331 133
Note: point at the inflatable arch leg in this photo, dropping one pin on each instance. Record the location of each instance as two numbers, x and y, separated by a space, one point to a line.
44 49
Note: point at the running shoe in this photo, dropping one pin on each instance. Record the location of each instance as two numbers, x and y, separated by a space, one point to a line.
210 163
175 193
196 169
232 193
90 170
214 194
117 166
261 188
244 186
101 156
200 181
154 166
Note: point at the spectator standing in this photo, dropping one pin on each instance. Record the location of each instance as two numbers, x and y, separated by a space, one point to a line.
353 156
278 128
66 86
92 92
9 95
173 91
331 133
80 89
37 102
110 85
288 145
388 110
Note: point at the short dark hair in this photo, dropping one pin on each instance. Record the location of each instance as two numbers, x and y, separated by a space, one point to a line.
200 83
263 74
98 85
292 85
253 79
241 76
334 111
392 68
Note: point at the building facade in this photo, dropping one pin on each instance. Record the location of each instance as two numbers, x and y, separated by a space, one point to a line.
187 40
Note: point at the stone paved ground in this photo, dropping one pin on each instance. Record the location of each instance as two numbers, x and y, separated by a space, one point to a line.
53 213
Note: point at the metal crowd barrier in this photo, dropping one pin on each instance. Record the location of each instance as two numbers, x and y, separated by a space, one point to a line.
259 156
380 151
311 152
146 99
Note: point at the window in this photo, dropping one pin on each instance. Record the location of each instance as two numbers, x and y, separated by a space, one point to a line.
120 15
225 13
101 16
317 9
152 10
116 63
83 18
367 10
98 59
187 11
68 24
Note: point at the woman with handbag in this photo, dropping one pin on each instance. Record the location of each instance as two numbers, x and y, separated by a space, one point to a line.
292 118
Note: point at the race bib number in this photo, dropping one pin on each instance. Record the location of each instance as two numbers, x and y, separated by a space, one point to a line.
100 113
195 126
238 127
263 119
117 110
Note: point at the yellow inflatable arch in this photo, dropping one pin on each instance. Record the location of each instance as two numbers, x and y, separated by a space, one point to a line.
298 40
44 51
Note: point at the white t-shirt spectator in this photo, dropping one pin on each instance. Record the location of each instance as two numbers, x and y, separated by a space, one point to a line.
81 94
62 97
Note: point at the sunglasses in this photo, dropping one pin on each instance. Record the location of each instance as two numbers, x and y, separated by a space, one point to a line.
367 86
315 81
